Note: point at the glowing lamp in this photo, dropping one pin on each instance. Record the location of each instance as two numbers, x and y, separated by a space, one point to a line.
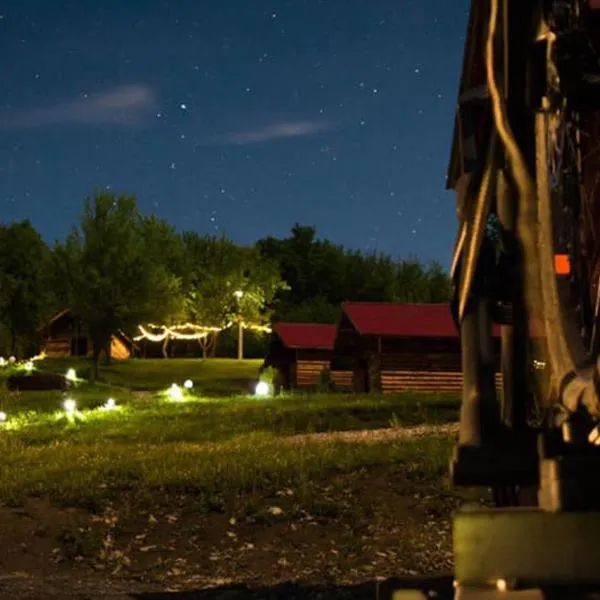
110 404
238 294
70 405
3 416
12 360
175 393
188 384
71 375
262 389
29 366
2 361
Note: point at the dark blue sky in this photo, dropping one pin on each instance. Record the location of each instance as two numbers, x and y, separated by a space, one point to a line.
241 116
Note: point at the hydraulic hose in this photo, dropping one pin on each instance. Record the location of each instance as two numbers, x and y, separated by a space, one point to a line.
534 229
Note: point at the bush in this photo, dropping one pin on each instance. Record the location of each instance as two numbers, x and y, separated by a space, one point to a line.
325 382
36 382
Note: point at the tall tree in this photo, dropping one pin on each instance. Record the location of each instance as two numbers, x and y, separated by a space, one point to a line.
114 279
24 292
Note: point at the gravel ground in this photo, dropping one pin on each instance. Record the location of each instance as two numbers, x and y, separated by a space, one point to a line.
378 435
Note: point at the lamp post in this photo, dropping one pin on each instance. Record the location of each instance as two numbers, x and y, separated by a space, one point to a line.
240 353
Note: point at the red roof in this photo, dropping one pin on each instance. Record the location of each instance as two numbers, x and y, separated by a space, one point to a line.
401 320
411 320
306 335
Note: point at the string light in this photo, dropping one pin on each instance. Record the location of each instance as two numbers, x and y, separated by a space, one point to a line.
198 332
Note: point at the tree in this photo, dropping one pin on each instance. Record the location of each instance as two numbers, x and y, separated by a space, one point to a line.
24 293
227 283
113 277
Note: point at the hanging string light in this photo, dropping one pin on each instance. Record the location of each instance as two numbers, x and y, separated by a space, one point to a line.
192 331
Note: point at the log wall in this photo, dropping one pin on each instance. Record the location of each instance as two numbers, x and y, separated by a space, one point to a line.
57 348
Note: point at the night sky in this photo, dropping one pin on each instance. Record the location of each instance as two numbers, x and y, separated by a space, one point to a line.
236 116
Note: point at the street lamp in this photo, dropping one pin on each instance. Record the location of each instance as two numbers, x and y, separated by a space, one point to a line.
240 353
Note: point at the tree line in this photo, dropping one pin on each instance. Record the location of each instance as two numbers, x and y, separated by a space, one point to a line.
118 268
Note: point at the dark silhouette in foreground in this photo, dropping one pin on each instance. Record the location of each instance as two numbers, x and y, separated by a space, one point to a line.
439 587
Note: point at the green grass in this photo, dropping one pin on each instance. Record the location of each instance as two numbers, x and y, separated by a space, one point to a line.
256 463
231 444
214 376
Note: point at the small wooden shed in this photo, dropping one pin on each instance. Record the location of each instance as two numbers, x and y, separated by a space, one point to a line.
300 352
65 336
393 347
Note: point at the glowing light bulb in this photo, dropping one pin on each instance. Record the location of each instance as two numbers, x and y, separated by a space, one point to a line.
262 388
3 416
12 360
175 393
71 375
29 366
110 404
70 405
188 384
2 361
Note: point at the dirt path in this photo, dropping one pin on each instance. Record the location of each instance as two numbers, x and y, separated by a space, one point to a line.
357 530
377 435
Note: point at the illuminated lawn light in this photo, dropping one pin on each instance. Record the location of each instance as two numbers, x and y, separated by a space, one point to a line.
110 404
28 366
188 384
262 389
12 360
175 393
70 406
3 417
71 375
2 361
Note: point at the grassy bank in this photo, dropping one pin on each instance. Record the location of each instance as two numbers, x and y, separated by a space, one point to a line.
228 445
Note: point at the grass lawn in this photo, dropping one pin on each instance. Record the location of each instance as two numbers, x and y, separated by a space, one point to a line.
232 469
214 377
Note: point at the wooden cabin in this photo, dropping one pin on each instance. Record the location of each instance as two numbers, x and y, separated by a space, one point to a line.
65 336
300 352
392 347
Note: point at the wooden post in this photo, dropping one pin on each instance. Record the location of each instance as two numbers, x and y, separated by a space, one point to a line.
240 353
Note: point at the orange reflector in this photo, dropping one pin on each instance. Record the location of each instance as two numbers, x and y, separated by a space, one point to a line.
562 264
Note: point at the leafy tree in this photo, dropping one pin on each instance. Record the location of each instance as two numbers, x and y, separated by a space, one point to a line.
110 267
24 292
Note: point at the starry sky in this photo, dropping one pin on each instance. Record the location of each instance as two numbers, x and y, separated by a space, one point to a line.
236 116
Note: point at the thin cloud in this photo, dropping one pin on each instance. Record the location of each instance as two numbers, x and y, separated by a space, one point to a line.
123 105
277 131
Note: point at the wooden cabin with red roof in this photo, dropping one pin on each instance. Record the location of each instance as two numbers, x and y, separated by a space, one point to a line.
300 352
392 347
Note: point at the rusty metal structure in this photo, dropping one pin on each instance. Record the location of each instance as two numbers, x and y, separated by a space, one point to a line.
525 166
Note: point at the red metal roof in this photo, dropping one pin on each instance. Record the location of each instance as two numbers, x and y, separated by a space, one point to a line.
401 320
306 336
411 320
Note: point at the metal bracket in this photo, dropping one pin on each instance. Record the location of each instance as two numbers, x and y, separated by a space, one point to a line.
527 547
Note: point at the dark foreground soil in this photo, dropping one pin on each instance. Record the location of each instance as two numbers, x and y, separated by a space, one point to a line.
341 539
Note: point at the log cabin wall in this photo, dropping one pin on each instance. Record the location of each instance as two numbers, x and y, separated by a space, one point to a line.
309 366
426 365
63 338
